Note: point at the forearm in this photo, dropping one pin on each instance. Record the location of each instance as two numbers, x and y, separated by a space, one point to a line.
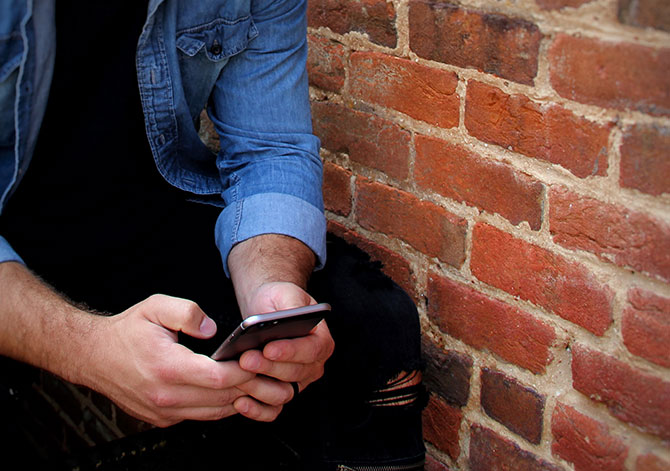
40 327
265 259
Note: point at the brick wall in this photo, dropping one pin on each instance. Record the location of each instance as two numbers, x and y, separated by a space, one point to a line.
509 162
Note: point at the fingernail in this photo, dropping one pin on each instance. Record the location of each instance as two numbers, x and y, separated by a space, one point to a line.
252 363
208 326
241 406
271 353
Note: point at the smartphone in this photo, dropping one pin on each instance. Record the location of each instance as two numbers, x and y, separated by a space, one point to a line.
256 331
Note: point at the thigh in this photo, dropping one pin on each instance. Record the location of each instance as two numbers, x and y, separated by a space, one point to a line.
336 421
374 322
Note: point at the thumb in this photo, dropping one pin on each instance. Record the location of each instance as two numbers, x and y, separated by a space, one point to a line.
177 314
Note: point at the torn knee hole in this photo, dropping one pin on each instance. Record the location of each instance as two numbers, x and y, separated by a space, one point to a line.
402 390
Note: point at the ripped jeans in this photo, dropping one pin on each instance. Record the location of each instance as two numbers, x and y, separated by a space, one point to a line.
364 414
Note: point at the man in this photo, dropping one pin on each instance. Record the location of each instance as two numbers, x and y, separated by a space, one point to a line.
93 218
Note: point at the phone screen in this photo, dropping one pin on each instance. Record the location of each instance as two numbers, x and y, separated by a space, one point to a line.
258 330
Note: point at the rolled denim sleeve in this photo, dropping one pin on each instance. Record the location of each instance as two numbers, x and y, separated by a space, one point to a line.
7 253
269 163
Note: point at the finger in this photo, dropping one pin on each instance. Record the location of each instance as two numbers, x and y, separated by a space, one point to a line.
192 413
268 391
188 397
188 368
178 314
283 371
317 346
253 361
255 410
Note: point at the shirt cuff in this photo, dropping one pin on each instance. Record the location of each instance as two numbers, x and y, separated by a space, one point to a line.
7 253
271 213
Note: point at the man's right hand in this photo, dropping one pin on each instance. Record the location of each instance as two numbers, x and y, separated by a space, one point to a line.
138 363
133 357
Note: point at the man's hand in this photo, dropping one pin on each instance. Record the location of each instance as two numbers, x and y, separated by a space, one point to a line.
132 357
270 273
299 360
141 367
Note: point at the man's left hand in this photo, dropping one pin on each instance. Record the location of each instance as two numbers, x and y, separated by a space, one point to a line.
299 360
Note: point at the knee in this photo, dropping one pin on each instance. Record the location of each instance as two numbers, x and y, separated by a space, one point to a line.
403 390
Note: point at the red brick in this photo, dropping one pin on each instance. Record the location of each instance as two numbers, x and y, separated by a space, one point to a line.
491 452
624 76
585 442
489 42
447 373
545 132
463 176
645 159
614 233
560 4
645 13
537 275
489 324
646 326
325 63
393 265
630 395
423 225
421 92
650 462
514 405
368 139
376 18
441 424
432 464
336 189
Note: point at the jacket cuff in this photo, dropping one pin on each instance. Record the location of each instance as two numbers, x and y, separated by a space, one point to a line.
271 213
7 253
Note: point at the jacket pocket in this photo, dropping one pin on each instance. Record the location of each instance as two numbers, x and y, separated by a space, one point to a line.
219 39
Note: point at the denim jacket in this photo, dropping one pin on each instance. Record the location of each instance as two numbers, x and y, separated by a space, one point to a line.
244 60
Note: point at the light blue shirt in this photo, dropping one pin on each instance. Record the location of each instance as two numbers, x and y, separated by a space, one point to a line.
244 60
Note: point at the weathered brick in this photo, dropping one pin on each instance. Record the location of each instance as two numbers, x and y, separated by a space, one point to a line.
489 324
646 326
447 373
535 274
645 159
441 424
517 407
325 63
545 132
624 76
336 189
376 18
421 92
560 4
632 396
432 464
492 186
491 452
645 13
425 226
368 139
490 42
651 462
614 233
585 442
393 265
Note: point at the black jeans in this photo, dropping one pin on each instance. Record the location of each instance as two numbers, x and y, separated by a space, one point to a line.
350 419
